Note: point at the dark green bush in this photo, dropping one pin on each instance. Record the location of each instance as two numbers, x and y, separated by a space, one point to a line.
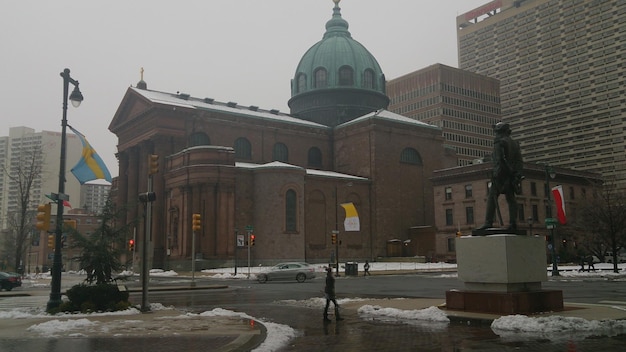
95 298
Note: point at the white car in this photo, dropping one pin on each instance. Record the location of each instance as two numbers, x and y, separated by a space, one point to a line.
288 271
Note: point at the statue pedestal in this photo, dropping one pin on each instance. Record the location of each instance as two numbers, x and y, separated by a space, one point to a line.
502 274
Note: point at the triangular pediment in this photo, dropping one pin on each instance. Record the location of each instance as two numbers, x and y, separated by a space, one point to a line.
132 106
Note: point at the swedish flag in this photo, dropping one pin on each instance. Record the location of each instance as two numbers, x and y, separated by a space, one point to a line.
90 167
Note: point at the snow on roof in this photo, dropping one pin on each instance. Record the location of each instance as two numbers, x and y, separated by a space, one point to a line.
392 116
186 101
312 172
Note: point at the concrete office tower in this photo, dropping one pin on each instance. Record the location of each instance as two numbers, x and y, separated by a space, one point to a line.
561 67
13 149
465 105
93 197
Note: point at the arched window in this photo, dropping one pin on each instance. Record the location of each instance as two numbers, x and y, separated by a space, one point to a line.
320 78
315 157
199 138
346 76
410 156
280 153
368 79
301 85
243 150
291 211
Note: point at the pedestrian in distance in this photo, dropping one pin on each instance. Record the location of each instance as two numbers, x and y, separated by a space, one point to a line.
366 269
329 293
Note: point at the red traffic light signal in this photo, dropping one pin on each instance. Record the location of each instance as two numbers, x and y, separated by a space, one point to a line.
252 238
131 245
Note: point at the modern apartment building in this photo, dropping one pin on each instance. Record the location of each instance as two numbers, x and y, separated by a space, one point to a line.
465 105
562 71
15 149
93 197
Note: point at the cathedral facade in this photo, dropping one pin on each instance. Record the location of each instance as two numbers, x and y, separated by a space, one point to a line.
282 177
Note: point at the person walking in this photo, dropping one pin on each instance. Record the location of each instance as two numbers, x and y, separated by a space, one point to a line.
366 269
329 293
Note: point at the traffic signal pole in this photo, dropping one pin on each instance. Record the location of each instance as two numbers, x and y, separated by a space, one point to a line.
148 198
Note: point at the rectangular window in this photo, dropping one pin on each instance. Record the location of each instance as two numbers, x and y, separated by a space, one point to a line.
533 188
520 213
535 213
468 191
448 193
449 217
583 192
469 215
571 193
452 244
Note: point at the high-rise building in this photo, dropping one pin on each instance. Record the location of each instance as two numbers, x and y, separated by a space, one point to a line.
465 105
93 197
17 149
562 69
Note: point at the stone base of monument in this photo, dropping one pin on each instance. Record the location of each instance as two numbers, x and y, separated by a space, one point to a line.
502 274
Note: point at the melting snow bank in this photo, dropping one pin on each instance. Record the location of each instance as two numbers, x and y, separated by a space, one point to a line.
432 318
278 335
78 325
556 328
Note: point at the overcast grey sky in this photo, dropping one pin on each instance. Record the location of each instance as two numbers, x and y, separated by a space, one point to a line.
230 50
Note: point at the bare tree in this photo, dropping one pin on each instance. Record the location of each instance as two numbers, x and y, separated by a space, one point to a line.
604 218
24 173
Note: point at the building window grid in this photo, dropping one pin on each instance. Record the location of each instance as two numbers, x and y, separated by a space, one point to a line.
449 217
291 224
448 193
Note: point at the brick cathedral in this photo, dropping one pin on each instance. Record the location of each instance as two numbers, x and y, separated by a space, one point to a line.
281 176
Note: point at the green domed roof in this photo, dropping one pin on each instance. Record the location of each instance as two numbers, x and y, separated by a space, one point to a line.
338 63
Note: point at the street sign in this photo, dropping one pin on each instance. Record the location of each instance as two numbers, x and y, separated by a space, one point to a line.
240 241
249 228
551 223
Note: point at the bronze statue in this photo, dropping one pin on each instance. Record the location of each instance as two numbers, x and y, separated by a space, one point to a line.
506 177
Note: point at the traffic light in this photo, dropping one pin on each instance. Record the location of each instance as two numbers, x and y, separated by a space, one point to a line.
333 238
153 164
196 222
459 234
147 197
51 241
131 245
43 217
252 237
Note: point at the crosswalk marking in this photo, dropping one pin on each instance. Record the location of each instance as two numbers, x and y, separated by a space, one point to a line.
10 303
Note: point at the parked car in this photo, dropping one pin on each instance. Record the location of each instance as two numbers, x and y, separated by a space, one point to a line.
9 281
621 258
288 271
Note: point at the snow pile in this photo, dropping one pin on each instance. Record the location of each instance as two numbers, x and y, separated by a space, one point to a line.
55 327
278 335
431 318
521 327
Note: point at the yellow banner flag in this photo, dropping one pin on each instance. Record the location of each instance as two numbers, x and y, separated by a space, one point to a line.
352 218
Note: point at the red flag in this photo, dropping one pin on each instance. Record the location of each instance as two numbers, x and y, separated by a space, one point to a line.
559 201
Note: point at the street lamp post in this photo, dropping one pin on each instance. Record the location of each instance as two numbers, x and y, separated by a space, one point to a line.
551 174
76 98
